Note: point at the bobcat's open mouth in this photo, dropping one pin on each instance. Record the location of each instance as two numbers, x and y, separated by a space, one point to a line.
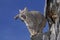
23 16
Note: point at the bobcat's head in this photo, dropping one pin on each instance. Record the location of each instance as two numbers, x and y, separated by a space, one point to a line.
22 14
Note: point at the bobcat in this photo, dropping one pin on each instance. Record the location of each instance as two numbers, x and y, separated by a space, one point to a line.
34 21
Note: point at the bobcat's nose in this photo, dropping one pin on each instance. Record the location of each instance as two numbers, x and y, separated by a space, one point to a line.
23 16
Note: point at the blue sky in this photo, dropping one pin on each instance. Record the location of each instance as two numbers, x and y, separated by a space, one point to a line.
16 30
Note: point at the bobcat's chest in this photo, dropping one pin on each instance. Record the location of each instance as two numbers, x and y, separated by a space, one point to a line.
30 28
29 24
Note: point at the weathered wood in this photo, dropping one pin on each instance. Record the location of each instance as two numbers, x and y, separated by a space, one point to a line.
55 27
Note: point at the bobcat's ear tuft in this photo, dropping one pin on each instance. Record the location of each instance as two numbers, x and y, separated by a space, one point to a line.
19 11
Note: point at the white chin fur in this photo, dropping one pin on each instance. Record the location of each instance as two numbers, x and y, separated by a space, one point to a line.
26 23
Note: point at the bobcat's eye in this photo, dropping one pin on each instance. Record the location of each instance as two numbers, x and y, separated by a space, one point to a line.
23 16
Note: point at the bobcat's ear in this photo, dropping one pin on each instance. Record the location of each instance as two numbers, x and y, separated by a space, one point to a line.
25 9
